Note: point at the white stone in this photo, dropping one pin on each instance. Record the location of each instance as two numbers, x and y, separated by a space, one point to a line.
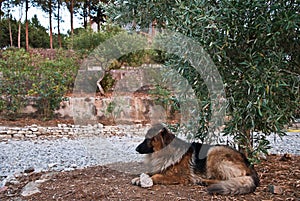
30 135
18 135
52 165
34 129
146 180
30 189
2 137
73 166
68 169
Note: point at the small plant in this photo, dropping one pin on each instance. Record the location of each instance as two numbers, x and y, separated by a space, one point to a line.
107 82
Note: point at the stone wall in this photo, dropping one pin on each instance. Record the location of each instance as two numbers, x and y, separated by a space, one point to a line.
126 104
70 131
127 109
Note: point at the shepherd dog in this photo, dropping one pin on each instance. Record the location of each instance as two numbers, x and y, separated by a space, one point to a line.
171 160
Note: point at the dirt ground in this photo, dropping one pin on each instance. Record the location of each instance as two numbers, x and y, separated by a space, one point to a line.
279 176
106 183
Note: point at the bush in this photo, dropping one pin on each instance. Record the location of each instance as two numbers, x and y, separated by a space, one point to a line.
25 76
87 41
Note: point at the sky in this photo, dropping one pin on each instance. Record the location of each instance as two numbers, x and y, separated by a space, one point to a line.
44 20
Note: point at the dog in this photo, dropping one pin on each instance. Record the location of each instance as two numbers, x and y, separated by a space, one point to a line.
171 160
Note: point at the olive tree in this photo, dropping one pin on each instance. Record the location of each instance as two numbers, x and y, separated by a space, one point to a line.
255 46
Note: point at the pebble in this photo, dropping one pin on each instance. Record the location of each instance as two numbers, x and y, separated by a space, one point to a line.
275 189
146 181
29 170
65 154
30 189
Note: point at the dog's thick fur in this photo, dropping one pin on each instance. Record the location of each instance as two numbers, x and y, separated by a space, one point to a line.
173 161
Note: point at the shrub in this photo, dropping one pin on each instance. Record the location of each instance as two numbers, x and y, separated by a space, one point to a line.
25 75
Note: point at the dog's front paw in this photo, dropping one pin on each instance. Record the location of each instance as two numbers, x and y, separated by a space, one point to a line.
136 181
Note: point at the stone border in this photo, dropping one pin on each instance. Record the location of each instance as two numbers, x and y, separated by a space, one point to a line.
70 131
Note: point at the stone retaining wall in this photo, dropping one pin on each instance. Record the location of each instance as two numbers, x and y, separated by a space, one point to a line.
70 131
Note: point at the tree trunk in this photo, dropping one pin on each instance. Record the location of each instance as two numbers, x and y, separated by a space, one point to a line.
19 35
85 14
89 13
246 143
50 24
72 13
58 24
10 32
26 25
0 15
20 25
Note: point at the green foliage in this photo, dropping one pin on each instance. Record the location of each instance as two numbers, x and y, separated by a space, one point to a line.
4 32
107 82
15 71
254 44
165 98
25 76
111 107
109 49
86 40
38 36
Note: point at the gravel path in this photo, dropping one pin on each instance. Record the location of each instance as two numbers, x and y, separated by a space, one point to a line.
67 154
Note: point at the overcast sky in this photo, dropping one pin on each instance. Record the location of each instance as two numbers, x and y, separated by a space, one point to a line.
44 20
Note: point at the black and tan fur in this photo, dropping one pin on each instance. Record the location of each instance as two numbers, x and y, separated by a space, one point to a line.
173 161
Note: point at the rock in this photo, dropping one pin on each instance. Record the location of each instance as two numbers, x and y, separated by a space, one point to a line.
2 189
5 137
68 169
275 189
73 166
286 157
17 135
29 170
52 165
21 132
31 135
146 180
48 175
13 181
30 189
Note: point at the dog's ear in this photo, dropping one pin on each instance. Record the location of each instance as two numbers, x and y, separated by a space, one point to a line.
166 135
163 131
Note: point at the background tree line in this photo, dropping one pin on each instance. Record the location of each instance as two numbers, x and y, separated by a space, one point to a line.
89 10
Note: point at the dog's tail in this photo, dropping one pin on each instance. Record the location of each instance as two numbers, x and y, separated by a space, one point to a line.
234 186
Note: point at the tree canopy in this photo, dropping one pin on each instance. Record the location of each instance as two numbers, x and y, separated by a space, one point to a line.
256 48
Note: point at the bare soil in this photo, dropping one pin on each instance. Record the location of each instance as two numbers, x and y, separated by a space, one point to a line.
106 183
279 176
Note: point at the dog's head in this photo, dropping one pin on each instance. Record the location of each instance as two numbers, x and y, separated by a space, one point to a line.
156 139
